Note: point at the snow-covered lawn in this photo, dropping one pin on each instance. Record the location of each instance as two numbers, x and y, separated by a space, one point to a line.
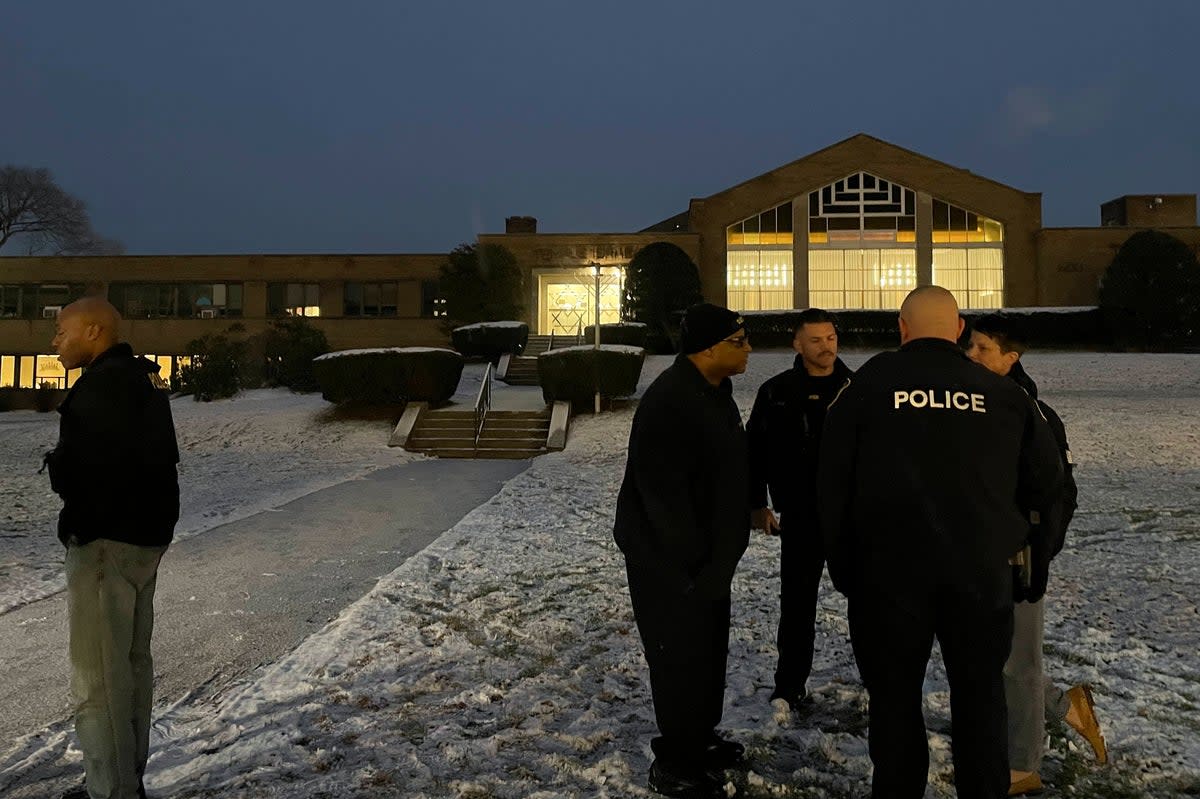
503 660
237 457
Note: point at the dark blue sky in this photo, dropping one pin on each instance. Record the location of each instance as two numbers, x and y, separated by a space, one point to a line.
395 126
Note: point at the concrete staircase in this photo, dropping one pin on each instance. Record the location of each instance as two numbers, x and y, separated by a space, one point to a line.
522 369
505 434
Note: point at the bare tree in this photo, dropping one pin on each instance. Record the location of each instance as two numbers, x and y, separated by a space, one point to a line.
45 220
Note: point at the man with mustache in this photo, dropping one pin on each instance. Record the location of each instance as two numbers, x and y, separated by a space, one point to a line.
785 433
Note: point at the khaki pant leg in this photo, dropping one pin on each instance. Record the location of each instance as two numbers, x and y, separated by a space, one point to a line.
108 632
1024 686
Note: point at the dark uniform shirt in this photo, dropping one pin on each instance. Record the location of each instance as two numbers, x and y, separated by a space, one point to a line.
1050 533
927 466
115 462
683 512
784 431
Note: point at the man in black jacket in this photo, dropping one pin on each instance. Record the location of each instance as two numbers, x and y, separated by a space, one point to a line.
683 522
115 468
784 431
997 344
928 464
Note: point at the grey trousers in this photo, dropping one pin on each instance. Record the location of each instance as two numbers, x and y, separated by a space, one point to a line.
110 599
1030 695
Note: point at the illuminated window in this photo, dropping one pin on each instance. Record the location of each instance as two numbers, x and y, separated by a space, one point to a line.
860 278
952 225
974 275
862 209
432 303
758 265
8 371
771 228
759 279
293 299
970 261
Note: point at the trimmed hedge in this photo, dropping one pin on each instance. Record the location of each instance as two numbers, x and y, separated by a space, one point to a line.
42 400
575 373
1072 328
490 340
629 334
1080 328
388 376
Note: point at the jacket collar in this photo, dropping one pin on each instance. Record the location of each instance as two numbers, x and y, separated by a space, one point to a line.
686 367
933 345
840 369
1022 378
121 350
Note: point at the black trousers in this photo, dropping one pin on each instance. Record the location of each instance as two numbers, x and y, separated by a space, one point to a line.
801 561
686 639
892 638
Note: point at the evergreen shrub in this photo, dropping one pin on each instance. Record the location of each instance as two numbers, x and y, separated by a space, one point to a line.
388 376
289 348
1150 294
575 373
217 368
1074 328
490 340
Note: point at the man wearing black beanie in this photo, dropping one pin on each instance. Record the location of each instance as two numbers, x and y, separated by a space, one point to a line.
683 522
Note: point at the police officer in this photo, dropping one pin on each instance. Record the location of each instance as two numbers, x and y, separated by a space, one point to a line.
997 343
683 522
785 432
927 463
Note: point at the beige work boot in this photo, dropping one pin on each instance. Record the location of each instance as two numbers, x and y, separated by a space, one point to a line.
1082 717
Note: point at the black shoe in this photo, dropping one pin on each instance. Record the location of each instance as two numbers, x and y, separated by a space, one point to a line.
721 754
82 793
793 698
693 785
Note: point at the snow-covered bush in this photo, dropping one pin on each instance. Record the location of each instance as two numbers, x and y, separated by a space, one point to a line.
490 340
631 334
576 373
388 376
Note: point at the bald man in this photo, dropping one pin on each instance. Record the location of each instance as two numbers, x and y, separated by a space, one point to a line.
115 468
928 466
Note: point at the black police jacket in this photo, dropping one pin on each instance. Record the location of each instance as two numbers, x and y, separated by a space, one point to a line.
928 465
1049 533
682 512
784 431
115 462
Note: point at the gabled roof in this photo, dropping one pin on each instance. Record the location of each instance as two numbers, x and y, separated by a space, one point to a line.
862 153
674 224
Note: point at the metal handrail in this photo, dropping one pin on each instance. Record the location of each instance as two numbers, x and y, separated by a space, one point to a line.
551 341
483 402
579 333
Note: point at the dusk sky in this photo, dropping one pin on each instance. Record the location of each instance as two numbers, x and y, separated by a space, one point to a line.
223 127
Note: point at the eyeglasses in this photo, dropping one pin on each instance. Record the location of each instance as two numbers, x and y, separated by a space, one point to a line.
741 342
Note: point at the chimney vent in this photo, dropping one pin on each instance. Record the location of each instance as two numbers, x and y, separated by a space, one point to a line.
520 224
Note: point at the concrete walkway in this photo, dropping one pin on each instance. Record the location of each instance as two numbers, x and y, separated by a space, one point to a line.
240 595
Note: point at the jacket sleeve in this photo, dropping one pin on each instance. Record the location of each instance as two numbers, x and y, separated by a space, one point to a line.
1062 510
758 437
662 460
835 486
1039 487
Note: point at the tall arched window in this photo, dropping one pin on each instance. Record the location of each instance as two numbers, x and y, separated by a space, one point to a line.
861 243
758 268
968 256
